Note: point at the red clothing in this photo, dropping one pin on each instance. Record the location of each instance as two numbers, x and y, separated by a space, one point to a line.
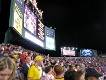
22 57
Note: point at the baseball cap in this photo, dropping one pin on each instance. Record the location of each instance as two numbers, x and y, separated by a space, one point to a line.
92 72
38 58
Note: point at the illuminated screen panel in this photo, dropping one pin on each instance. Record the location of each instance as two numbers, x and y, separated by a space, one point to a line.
34 39
86 52
50 43
49 38
29 20
68 51
40 30
18 17
33 27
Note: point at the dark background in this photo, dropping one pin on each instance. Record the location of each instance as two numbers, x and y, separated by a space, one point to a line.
79 23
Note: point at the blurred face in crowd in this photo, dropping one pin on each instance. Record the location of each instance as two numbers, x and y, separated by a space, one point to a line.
6 54
28 59
40 62
93 78
73 67
5 74
17 64
7 68
78 67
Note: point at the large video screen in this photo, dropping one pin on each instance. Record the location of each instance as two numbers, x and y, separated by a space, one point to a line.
30 20
33 28
68 51
16 15
49 38
50 43
86 52
33 38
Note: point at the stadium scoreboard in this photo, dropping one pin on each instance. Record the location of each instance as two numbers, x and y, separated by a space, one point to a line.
26 22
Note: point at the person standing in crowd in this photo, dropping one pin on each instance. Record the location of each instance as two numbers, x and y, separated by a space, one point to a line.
22 58
71 67
92 74
25 67
6 54
7 68
18 72
58 69
48 75
16 56
74 75
77 67
1 52
34 72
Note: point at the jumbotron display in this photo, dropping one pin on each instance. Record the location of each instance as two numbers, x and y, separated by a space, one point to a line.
17 23
16 15
68 51
26 23
30 20
86 53
33 27
49 38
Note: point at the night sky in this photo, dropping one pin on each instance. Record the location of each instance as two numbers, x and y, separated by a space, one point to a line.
79 23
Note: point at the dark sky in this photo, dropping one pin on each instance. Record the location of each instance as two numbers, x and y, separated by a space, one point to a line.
79 23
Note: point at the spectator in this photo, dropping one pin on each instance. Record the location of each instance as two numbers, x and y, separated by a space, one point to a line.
16 56
77 67
71 67
80 75
25 67
48 75
6 54
1 52
34 72
22 58
58 69
74 75
7 68
92 74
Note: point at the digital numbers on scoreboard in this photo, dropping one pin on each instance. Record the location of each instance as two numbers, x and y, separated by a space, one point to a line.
41 30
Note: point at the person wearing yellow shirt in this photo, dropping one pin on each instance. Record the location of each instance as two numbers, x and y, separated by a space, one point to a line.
15 56
34 72
58 69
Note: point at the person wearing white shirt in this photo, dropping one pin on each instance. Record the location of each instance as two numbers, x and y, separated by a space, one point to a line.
48 73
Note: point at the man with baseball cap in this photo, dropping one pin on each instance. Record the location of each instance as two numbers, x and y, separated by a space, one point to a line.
34 72
92 74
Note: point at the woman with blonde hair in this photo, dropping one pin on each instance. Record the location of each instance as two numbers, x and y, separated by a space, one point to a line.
7 68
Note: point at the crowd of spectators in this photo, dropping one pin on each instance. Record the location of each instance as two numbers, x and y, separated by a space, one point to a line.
48 68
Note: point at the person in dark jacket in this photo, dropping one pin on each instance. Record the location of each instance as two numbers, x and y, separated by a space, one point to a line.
25 67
